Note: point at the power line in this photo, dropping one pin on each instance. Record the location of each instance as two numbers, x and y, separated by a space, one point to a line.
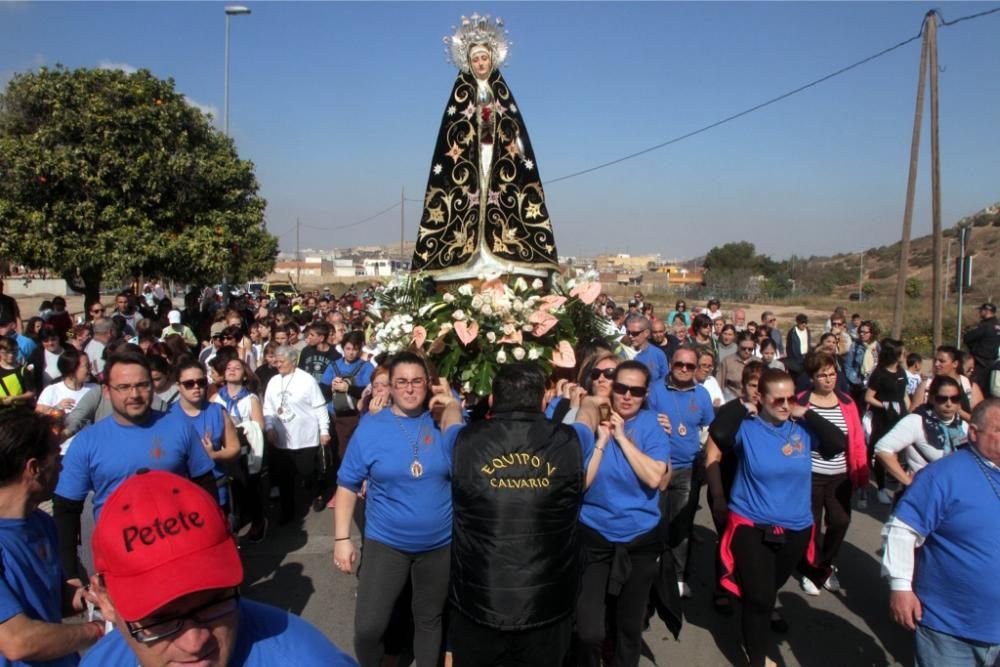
356 223
771 101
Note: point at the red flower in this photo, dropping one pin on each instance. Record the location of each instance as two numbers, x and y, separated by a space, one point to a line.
486 113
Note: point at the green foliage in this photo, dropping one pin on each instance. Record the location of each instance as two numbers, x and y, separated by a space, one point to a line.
114 175
868 290
882 272
914 288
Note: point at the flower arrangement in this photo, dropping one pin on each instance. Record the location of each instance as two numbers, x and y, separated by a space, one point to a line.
469 331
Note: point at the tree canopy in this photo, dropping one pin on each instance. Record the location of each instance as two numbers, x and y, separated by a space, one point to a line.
110 175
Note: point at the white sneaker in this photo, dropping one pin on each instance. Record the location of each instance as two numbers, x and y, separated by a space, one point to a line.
832 584
684 589
884 497
808 587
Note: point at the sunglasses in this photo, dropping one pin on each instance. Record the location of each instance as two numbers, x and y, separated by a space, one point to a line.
745 348
837 324
622 389
782 400
941 399
683 365
637 332
191 384
596 373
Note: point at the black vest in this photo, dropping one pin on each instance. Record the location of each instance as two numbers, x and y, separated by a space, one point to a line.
517 488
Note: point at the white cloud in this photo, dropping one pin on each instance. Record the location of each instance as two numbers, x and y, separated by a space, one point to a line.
125 67
207 109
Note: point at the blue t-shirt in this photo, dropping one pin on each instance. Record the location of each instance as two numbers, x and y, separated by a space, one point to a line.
211 419
953 505
107 453
406 513
617 504
656 361
267 636
691 408
340 368
31 578
773 483
25 347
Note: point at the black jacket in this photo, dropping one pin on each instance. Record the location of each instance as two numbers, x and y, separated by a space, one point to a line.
983 341
517 489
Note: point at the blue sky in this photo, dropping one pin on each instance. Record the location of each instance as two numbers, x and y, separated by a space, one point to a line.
338 105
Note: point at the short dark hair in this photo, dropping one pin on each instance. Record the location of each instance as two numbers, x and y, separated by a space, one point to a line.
187 363
355 338
752 370
24 435
951 351
913 358
126 354
817 361
943 381
633 365
518 386
319 328
406 357
889 351
68 361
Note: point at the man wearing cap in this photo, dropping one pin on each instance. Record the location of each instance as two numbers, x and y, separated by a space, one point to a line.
134 437
214 344
983 341
182 330
34 595
168 576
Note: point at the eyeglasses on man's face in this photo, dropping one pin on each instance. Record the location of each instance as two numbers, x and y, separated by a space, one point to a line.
213 610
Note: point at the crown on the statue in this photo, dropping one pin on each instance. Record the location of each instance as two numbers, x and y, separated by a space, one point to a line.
477 29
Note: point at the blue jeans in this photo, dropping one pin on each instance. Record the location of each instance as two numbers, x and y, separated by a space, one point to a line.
935 649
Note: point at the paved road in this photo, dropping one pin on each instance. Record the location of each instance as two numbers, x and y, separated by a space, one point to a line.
293 569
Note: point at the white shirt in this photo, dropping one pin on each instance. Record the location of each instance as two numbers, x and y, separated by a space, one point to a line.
908 436
294 408
711 385
95 352
58 392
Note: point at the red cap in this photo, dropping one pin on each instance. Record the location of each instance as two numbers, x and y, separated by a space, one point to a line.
159 538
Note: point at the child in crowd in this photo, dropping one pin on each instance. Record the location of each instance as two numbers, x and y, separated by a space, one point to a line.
914 363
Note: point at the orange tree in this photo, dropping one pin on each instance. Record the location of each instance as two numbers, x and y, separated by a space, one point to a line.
106 175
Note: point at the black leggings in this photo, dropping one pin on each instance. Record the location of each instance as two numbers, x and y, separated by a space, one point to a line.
294 472
384 573
761 569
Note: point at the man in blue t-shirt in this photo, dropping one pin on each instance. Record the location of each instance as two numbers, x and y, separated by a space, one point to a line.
951 511
134 437
168 576
688 407
637 329
34 595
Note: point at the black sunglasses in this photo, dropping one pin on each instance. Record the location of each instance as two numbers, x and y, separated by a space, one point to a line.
622 389
596 373
941 399
685 365
191 384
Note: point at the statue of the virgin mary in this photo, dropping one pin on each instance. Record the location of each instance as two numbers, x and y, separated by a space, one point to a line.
484 210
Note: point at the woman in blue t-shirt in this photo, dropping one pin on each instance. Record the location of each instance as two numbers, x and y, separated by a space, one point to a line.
770 510
621 520
405 458
210 421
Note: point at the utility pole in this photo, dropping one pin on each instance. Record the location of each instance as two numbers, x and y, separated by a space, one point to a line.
947 264
298 256
402 220
963 238
911 184
861 276
938 271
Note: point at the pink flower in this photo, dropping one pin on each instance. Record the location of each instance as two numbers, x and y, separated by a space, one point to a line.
563 356
543 322
551 301
588 292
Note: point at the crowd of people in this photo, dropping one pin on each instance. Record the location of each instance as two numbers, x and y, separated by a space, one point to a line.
549 533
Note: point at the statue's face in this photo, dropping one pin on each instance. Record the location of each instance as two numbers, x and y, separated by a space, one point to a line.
481 63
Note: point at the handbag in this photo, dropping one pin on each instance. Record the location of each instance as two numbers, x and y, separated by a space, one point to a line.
343 402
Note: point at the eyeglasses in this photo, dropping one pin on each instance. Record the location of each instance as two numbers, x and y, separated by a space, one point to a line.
864 331
781 400
96 311
622 389
745 348
141 387
203 615
837 324
201 383
636 333
941 399
607 373
684 366
403 383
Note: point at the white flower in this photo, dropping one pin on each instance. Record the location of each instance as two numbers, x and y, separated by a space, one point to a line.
452 110
437 169
465 290
477 302
518 305
501 357
508 329
448 297
407 328
458 315
529 165
466 387
486 310
518 353
571 283
445 328
528 327
520 284
534 353
536 283
491 337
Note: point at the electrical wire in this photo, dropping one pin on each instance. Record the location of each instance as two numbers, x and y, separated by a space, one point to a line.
773 100
353 224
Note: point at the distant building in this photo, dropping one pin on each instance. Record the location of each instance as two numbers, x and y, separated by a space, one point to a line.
382 267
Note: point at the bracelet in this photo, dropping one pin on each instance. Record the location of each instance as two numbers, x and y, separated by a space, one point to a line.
340 539
600 449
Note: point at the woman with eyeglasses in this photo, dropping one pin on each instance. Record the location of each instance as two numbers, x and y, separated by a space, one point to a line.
770 507
948 362
404 455
94 311
933 430
680 310
833 479
887 403
621 529
594 379
218 434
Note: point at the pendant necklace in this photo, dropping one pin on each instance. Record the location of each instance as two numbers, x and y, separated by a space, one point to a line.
682 429
284 395
416 468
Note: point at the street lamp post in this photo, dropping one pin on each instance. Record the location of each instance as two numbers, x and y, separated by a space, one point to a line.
232 10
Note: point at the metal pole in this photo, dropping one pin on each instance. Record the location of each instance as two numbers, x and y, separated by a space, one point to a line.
861 277
225 87
911 184
947 263
963 230
938 308
298 257
402 221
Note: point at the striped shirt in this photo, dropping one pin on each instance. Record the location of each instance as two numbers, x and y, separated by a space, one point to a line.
838 464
